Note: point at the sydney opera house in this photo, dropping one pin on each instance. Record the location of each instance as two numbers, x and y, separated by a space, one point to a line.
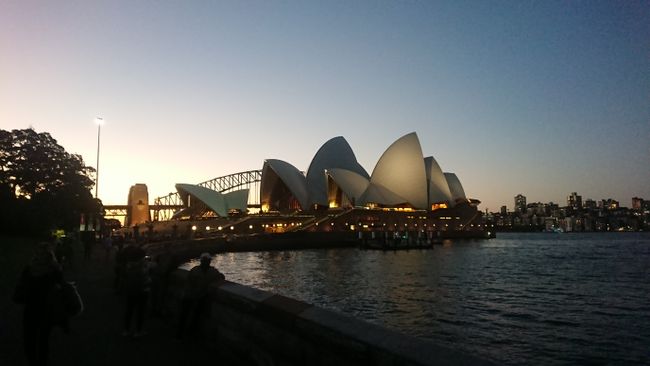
406 193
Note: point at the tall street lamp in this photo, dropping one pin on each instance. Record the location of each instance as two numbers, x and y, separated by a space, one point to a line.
99 121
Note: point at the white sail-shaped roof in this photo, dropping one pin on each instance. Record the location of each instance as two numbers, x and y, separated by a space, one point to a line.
457 191
237 200
401 172
210 198
438 186
351 183
335 153
376 193
401 177
277 172
206 198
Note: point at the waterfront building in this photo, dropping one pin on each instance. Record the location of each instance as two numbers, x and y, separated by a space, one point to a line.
588 223
520 203
550 224
608 216
637 203
402 179
538 208
590 204
609 204
574 201
407 194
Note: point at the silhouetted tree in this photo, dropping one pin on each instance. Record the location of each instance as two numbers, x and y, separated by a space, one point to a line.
41 185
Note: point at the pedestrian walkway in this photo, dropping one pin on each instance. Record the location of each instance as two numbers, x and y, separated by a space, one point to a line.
96 334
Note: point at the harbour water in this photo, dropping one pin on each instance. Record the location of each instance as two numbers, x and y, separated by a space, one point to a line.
539 298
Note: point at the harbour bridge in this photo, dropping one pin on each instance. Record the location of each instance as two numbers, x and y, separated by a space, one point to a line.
164 207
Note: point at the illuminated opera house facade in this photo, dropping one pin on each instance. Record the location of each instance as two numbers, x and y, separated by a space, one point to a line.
406 192
402 178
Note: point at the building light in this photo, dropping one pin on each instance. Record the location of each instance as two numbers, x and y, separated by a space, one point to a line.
207 228
193 227
438 206
232 228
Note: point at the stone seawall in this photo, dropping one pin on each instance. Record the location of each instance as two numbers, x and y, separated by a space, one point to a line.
270 329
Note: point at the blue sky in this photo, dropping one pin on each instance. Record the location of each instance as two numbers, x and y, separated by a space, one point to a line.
539 98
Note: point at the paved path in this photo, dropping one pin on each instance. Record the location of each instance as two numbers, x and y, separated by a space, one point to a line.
96 337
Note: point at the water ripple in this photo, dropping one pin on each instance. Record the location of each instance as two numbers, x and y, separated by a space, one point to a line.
535 299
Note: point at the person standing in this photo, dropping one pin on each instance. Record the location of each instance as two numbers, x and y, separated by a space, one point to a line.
136 286
38 280
107 243
197 296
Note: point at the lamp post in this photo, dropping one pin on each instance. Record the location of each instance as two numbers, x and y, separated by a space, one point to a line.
99 121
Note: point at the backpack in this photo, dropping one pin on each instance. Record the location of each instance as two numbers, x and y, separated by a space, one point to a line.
63 301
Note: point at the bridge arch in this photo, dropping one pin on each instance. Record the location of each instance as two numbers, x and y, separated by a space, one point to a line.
249 179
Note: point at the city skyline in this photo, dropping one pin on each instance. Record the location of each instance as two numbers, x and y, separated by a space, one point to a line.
520 202
542 99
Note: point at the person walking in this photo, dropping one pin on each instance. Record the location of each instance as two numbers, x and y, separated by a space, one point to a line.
196 299
38 280
137 285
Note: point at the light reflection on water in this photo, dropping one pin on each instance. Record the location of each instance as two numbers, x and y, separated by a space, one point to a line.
521 298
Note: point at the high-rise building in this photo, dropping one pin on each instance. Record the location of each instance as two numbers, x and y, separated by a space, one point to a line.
637 203
504 210
608 204
574 201
520 203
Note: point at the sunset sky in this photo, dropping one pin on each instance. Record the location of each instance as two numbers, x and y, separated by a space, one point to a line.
541 98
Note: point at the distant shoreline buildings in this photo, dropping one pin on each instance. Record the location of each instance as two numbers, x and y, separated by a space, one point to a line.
577 216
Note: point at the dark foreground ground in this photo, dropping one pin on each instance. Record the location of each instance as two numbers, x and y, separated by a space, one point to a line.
96 336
